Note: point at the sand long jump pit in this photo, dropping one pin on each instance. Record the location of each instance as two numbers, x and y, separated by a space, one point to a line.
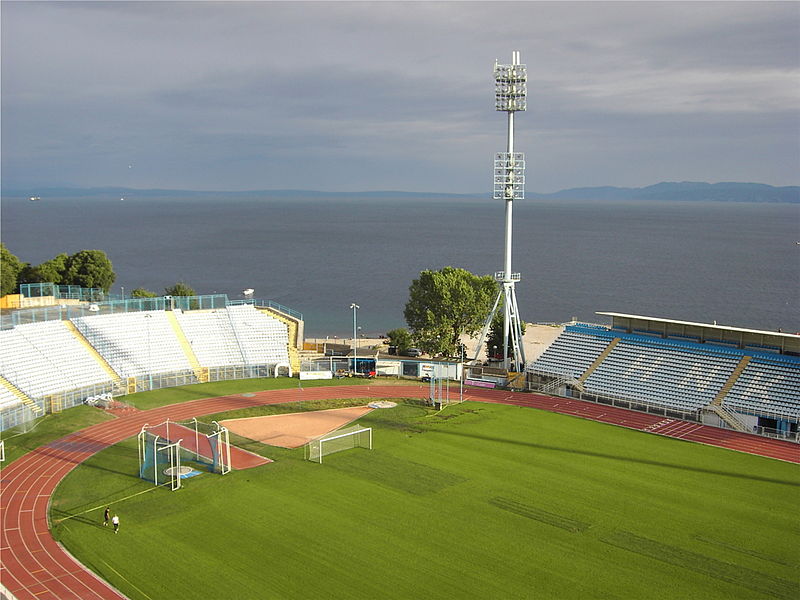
294 429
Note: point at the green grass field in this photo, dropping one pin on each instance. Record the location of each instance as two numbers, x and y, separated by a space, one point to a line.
480 501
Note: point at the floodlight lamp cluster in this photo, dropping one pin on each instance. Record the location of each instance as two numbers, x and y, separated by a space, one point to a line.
501 276
509 176
510 87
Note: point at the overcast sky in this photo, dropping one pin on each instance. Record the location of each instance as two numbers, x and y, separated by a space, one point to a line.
346 96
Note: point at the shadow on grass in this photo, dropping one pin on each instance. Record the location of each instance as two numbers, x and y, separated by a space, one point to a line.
62 516
81 460
628 459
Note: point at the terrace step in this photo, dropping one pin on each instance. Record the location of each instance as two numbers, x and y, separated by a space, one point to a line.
22 396
199 372
598 360
717 401
115 378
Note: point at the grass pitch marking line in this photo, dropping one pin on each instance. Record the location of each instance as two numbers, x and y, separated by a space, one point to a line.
125 579
88 510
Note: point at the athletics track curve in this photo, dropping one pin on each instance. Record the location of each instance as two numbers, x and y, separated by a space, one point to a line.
33 566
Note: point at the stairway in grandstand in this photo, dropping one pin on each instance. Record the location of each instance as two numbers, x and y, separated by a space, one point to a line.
598 360
113 375
551 387
20 395
716 404
200 372
294 354
717 401
730 418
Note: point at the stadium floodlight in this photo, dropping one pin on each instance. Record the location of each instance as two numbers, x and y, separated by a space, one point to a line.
510 85
509 176
511 89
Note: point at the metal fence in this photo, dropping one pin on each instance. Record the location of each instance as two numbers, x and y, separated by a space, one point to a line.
64 292
22 415
669 412
115 305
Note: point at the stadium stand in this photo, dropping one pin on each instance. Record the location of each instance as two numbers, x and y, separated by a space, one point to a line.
45 358
59 358
235 335
766 386
658 365
660 375
263 339
7 398
135 343
212 337
571 354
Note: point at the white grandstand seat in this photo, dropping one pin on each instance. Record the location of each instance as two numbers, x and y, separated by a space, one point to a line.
767 387
263 339
7 398
570 354
661 375
135 343
46 358
212 337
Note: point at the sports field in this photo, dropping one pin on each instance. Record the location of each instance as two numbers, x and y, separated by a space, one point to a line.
479 501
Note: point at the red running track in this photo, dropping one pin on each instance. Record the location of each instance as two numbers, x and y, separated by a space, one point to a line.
35 567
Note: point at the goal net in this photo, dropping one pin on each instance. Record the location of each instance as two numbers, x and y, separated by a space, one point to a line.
171 450
336 441
159 460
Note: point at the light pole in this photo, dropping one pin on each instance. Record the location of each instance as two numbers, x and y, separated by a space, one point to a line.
511 90
355 307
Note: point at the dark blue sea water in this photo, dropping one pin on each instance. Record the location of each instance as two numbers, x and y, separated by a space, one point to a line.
736 263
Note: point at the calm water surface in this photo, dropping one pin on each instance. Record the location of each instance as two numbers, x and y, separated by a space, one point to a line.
736 263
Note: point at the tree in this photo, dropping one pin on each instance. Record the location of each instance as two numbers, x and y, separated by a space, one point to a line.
180 289
143 293
444 304
10 267
89 269
400 338
51 271
494 339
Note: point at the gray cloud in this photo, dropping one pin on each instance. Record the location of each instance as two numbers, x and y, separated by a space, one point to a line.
395 95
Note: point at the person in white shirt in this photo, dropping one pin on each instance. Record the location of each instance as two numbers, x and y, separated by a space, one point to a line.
115 522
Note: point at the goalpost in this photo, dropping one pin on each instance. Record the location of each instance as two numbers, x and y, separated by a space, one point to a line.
342 439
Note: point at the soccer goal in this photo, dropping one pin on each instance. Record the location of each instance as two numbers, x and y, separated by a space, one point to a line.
336 441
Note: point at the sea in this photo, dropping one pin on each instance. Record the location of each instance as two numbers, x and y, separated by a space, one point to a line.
735 264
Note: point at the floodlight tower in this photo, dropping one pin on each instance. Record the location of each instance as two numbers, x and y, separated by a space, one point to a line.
509 185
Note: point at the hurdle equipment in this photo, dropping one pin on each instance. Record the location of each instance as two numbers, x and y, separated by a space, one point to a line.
336 441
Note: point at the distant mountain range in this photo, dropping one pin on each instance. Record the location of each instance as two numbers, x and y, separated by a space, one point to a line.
690 191
685 190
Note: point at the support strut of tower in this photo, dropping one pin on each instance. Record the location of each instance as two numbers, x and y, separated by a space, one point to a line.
509 185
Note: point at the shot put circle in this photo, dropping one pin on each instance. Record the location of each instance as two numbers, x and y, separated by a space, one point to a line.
382 404
179 471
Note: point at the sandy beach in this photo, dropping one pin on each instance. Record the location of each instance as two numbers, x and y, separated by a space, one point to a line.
536 339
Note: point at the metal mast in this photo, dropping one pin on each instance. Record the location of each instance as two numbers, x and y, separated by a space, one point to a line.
509 185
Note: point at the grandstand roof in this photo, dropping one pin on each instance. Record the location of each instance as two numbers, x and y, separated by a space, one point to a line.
788 343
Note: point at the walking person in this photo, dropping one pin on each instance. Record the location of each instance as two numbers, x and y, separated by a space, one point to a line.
115 522
106 516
